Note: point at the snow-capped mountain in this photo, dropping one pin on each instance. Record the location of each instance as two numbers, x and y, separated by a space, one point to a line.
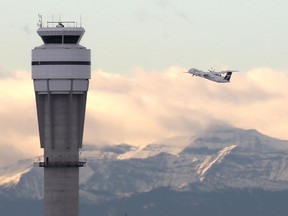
221 157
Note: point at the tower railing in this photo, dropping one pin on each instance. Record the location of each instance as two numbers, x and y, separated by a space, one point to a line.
60 163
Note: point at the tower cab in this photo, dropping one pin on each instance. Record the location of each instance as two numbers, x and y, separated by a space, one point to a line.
61 34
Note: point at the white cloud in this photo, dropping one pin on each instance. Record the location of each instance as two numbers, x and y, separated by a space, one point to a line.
148 106
18 129
151 105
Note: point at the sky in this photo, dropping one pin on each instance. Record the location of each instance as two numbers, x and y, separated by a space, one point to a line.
138 93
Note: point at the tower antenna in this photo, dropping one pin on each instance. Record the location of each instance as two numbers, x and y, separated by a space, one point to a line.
40 21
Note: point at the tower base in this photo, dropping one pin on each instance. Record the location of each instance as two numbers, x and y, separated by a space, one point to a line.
61 189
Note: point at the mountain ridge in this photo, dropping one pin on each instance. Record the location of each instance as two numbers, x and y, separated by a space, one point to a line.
220 158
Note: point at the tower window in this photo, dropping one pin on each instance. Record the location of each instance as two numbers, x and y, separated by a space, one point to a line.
55 39
71 39
59 39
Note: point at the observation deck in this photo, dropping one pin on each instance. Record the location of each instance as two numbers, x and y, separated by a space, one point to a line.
60 164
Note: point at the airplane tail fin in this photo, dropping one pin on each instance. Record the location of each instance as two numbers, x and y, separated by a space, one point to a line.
228 76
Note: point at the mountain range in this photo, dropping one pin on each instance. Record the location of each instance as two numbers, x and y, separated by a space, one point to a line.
222 171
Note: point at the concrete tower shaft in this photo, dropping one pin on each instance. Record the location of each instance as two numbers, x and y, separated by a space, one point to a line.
61 73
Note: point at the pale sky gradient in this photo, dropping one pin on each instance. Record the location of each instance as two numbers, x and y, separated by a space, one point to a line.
138 93
156 34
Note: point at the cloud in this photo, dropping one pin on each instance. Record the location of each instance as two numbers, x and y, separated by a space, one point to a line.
151 105
147 106
3 75
19 135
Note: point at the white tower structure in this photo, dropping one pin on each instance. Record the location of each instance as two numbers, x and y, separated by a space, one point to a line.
61 71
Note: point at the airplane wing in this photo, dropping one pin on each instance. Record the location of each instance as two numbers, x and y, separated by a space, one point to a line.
222 72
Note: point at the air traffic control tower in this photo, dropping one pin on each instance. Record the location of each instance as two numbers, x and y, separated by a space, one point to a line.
61 72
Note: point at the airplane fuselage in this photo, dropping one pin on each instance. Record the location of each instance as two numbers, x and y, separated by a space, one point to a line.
213 76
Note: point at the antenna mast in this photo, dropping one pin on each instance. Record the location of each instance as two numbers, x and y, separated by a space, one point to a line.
40 21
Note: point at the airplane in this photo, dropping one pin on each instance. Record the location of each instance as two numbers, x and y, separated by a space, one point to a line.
213 75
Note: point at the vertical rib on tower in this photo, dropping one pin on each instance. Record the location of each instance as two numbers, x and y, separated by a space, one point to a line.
61 73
